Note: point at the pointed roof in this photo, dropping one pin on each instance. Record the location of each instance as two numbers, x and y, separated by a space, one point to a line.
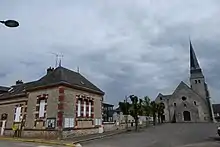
193 60
184 85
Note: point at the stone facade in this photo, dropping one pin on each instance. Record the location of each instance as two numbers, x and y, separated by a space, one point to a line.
188 104
59 109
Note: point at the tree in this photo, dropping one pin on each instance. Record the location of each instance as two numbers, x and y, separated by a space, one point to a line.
146 108
161 111
124 106
153 111
136 108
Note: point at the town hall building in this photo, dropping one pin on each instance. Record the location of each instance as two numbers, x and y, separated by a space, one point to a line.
188 103
60 103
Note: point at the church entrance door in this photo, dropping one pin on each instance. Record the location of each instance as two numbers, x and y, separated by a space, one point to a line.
186 116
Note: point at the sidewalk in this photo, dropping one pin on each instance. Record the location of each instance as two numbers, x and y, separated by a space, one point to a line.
73 140
66 142
85 138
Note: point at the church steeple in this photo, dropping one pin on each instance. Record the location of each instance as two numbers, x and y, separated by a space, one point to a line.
197 79
193 60
194 64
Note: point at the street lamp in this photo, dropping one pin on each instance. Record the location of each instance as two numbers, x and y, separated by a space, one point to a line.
10 23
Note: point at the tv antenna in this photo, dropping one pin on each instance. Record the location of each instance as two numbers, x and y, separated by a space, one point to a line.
58 58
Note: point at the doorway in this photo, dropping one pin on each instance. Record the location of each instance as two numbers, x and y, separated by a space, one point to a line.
186 116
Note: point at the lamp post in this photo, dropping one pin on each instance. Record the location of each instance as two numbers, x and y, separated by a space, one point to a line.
10 23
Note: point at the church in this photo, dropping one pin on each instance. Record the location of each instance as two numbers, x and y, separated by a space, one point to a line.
188 103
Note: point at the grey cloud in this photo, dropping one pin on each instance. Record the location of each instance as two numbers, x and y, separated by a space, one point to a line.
125 47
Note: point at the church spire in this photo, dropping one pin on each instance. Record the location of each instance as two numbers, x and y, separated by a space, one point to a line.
194 65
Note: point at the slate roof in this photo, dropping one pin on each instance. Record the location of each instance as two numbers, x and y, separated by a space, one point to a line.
194 64
164 96
107 105
58 76
4 89
216 108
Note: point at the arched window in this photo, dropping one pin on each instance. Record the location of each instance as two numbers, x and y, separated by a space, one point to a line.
174 104
194 102
195 81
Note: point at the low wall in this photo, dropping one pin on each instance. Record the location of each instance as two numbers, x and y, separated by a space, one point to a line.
79 132
110 126
46 134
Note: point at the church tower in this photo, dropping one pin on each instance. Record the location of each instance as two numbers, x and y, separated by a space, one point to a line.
197 79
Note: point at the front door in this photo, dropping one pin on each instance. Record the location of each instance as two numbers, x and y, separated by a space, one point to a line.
186 116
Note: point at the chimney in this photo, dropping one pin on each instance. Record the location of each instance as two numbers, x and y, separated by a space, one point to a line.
19 82
49 70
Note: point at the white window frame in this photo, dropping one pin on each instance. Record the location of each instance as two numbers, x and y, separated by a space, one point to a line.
17 114
51 120
84 109
42 107
79 108
68 122
90 108
98 122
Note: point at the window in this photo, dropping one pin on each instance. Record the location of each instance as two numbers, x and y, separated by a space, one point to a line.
51 123
84 109
183 98
160 98
199 81
98 122
174 104
17 114
90 108
79 108
194 102
195 81
42 108
4 116
68 122
185 105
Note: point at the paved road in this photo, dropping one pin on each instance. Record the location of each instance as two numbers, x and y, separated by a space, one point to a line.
166 135
4 143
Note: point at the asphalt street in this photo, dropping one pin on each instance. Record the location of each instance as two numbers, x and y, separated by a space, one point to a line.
166 135
6 143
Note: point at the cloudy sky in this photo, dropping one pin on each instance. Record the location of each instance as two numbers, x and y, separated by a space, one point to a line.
125 47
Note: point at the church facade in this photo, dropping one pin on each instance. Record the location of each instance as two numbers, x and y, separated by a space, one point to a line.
188 103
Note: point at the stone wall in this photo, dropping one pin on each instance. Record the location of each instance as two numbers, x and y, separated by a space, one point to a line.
79 132
51 111
45 134
8 107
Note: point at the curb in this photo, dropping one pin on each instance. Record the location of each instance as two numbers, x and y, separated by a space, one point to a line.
98 137
38 141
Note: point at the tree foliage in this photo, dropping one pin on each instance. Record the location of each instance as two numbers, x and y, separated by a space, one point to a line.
139 107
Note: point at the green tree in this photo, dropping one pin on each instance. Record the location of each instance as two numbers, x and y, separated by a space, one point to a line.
160 112
153 111
124 107
136 108
146 108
